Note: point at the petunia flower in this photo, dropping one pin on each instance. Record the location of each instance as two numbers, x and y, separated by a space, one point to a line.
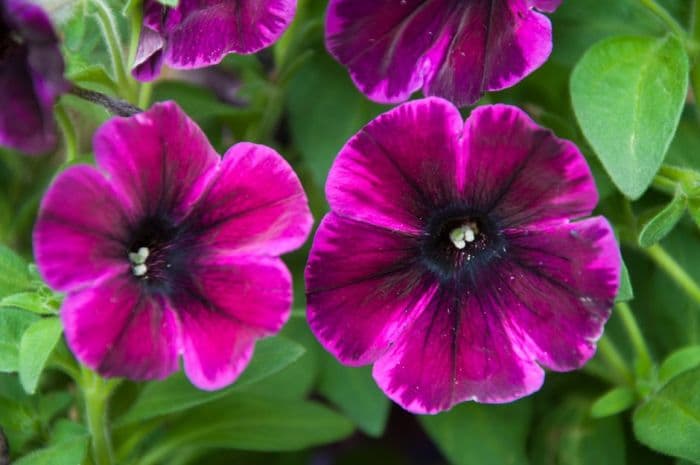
31 77
450 260
165 249
451 49
200 33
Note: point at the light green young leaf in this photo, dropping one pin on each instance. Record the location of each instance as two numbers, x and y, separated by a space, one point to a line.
474 434
177 393
613 402
663 222
628 95
13 324
36 346
625 292
33 302
669 421
678 362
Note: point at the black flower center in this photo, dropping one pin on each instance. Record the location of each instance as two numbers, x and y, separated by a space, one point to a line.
460 243
156 254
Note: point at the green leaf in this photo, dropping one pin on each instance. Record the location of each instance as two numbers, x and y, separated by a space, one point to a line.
14 275
613 402
662 223
172 3
18 421
69 448
13 324
35 349
625 292
34 302
325 109
567 435
628 94
678 362
669 421
177 393
259 423
356 394
475 434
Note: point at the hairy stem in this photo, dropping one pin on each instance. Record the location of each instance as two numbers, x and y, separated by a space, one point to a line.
113 105
666 17
70 137
636 337
96 392
609 353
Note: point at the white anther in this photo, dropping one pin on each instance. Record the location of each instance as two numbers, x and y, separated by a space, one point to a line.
464 234
139 270
140 256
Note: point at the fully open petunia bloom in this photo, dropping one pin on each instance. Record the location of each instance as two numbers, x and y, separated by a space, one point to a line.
166 249
449 258
200 33
31 77
451 49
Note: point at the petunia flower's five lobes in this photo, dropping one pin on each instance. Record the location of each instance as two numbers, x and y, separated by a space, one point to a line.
165 249
31 77
451 49
455 257
199 33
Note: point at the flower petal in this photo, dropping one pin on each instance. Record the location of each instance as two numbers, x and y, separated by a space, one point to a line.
159 160
399 167
361 288
546 5
493 45
210 29
522 173
80 232
456 350
149 55
455 50
117 330
559 285
255 205
383 44
232 302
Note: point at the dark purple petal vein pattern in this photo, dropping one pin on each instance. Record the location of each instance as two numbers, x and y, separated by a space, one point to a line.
450 259
31 77
165 249
199 33
455 49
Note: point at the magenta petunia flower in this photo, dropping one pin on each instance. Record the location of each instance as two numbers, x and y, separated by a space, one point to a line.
31 77
200 33
449 258
450 49
165 249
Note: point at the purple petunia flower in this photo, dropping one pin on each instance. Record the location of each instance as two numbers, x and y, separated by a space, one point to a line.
456 50
31 77
200 33
165 249
449 259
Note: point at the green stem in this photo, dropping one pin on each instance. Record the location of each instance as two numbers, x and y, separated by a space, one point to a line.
636 337
114 44
145 93
70 136
611 356
664 184
665 16
667 263
97 391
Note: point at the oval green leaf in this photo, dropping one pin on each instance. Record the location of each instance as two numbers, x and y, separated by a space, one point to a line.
36 346
628 94
669 421
613 402
678 362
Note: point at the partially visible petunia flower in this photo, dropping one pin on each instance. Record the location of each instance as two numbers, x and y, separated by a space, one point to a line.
449 258
451 49
31 77
200 33
165 249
